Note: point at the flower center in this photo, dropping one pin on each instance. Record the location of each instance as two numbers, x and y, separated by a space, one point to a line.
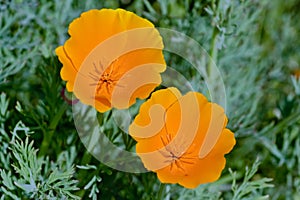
108 77
175 155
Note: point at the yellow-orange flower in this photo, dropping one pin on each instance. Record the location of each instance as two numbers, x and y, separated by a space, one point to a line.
182 138
111 58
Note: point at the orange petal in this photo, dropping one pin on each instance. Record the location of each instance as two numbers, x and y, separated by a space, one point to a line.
203 171
125 91
218 121
88 31
164 98
95 26
166 175
102 104
149 153
136 58
135 21
184 120
224 145
68 72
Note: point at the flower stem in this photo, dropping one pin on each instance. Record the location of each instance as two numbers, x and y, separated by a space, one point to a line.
213 52
86 159
161 191
49 134
213 47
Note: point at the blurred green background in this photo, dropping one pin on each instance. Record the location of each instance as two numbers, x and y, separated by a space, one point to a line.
255 44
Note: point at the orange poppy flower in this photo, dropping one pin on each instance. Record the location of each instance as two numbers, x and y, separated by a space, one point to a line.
111 58
182 138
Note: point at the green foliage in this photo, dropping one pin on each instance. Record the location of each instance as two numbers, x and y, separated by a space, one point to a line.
256 47
25 175
248 187
251 187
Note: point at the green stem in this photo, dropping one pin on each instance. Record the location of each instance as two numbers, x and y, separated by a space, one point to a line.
161 191
213 52
86 159
83 174
213 47
49 134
